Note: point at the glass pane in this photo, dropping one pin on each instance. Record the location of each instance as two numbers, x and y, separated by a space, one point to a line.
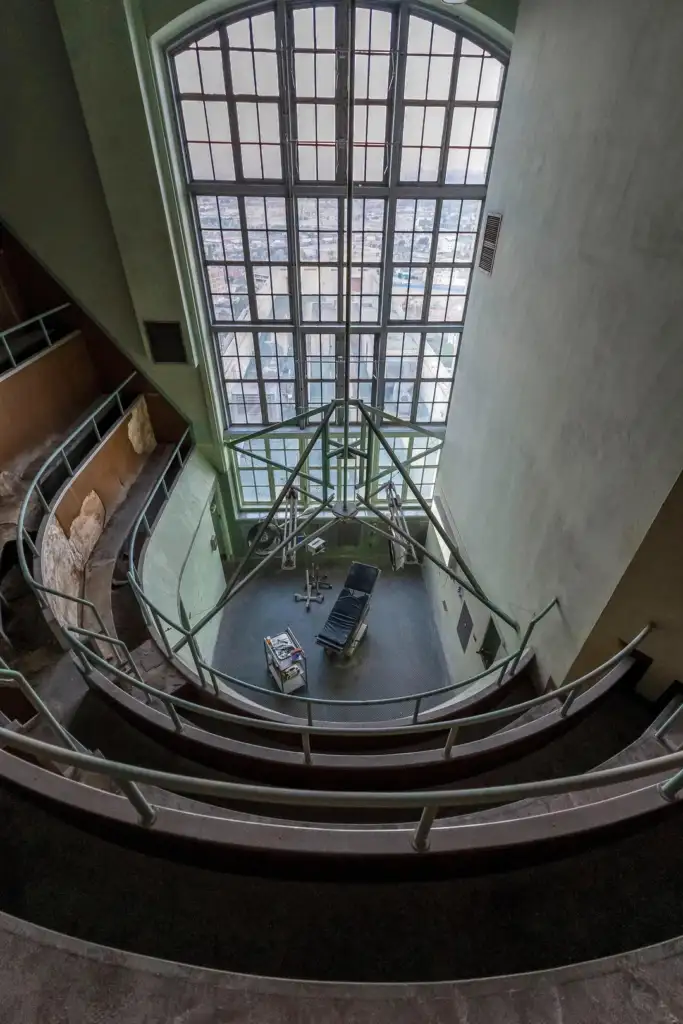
228 84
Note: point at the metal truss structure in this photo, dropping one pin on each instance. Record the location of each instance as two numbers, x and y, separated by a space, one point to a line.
329 71
347 505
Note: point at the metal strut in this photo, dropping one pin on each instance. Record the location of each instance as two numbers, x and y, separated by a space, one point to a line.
401 551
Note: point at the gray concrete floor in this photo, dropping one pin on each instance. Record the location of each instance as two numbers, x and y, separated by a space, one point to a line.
401 652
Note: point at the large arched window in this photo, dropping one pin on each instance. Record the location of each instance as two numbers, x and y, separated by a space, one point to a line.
264 118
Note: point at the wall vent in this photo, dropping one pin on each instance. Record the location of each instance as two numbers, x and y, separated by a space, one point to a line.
490 242
165 341
465 626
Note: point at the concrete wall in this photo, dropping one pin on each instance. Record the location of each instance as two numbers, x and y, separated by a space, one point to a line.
651 590
172 539
447 599
566 429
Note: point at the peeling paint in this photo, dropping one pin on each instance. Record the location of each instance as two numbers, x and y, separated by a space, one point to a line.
61 573
63 559
140 430
86 529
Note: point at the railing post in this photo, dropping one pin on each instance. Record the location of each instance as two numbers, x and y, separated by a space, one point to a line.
8 350
26 537
175 717
119 401
43 499
131 662
420 840
309 712
671 788
212 677
67 463
450 741
568 702
160 630
44 330
194 650
669 721
416 712
148 814
503 671
306 744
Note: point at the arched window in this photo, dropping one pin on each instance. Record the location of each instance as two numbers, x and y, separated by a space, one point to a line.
264 118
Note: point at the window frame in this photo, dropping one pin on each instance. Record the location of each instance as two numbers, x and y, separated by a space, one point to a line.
291 188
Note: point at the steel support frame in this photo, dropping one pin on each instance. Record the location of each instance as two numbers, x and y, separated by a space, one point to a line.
262 528
476 589
337 412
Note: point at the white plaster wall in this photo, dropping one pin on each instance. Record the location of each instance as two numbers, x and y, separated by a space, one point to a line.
447 599
566 429
172 538
441 588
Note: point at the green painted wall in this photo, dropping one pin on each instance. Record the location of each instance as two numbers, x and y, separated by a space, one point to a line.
180 543
55 195
202 580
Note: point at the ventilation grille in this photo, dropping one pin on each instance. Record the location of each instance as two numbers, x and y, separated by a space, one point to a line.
490 242
165 341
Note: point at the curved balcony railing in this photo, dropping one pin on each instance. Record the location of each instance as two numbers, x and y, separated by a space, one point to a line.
129 776
427 802
24 539
156 619
173 704
41 322
80 639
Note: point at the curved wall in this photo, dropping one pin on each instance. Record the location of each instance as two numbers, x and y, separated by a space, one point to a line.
180 558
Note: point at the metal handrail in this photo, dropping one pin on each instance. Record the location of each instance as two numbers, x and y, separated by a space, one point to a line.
34 486
128 776
305 730
40 589
26 323
33 319
153 615
141 518
202 666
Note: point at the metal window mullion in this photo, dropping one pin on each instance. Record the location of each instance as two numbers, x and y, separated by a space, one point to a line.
232 106
409 451
344 167
418 376
343 107
326 190
248 265
399 45
429 279
283 30
271 475
208 133
455 68
251 291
